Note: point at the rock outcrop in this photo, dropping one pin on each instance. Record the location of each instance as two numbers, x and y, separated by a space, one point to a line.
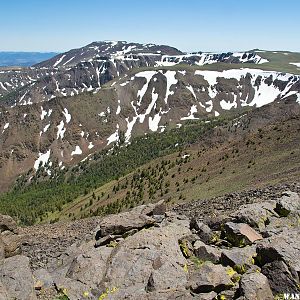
150 253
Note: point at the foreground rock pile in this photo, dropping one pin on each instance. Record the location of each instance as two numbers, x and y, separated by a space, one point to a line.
151 253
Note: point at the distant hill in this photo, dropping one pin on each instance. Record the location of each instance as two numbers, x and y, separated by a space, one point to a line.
24 59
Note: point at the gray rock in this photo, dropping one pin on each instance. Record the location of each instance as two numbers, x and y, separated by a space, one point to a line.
17 279
203 231
171 294
3 292
137 218
210 277
8 223
280 277
289 202
89 267
12 243
207 296
284 246
240 259
159 208
140 263
106 240
255 286
240 234
255 215
42 279
2 248
206 252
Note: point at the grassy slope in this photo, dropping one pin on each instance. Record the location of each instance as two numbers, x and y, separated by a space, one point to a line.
267 156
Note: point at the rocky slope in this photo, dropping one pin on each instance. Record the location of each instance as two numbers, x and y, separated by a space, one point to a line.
249 252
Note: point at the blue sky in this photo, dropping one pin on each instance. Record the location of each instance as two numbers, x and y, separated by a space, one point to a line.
190 25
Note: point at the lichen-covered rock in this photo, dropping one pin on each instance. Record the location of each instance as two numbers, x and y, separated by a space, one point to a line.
289 202
240 259
139 264
256 214
281 253
240 234
255 286
284 246
210 277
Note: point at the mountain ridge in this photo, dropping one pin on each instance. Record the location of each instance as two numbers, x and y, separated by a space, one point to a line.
55 115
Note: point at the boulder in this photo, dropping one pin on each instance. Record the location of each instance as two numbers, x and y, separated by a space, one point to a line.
186 245
159 209
89 266
137 218
8 223
289 202
204 232
16 278
240 259
147 264
206 252
280 277
284 246
255 215
210 277
255 286
240 234
12 243
149 261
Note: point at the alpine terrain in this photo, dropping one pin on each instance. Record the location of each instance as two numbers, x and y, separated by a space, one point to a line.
131 171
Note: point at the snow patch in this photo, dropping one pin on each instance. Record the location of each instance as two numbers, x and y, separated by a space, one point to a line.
114 137
148 75
153 122
59 60
61 130
191 114
67 115
43 159
118 108
171 80
77 151
190 88
295 64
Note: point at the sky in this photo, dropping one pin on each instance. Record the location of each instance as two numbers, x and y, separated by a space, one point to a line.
190 25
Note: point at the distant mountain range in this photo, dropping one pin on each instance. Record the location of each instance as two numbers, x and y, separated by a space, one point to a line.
23 59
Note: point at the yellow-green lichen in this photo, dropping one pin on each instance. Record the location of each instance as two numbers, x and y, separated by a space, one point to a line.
107 292
184 249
